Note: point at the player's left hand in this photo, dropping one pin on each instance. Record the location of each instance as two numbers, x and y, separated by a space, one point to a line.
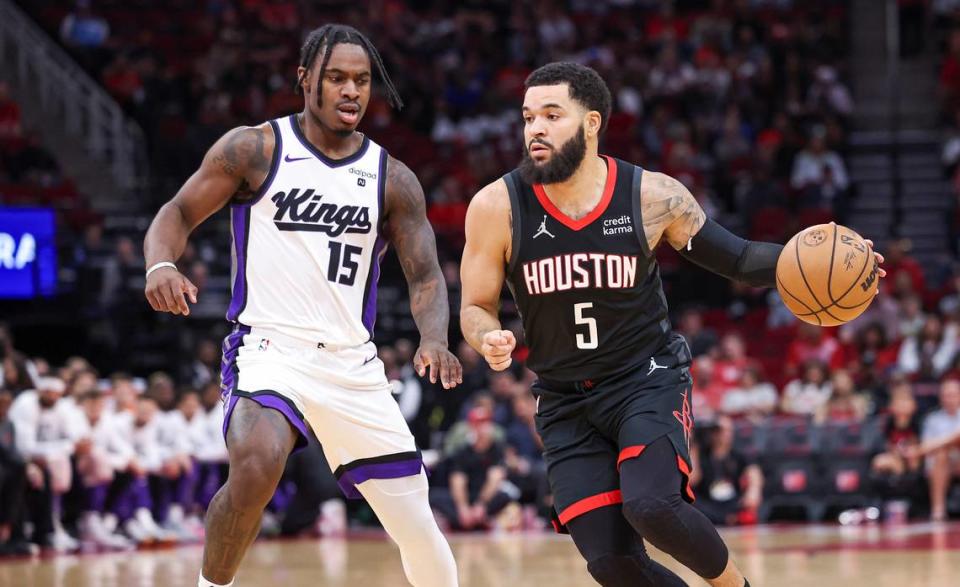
882 272
441 362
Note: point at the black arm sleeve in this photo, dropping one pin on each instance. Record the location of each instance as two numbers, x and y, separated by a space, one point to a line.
718 250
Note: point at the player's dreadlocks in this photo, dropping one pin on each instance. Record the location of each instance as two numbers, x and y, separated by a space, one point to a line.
330 35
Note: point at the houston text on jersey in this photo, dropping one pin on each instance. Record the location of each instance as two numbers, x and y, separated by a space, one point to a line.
580 271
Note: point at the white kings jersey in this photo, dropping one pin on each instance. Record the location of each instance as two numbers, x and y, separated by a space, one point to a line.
307 249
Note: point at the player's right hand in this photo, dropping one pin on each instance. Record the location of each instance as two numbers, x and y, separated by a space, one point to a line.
167 290
497 347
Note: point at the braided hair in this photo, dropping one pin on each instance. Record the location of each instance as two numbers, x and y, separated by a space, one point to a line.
330 35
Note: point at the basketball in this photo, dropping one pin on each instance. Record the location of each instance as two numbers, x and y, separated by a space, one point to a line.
827 275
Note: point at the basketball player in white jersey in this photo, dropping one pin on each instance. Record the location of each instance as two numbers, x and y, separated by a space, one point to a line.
313 203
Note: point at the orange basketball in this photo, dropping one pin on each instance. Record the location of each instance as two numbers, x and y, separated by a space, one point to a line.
827 275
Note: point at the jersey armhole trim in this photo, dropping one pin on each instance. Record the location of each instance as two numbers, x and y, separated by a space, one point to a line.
274 166
515 215
382 187
637 212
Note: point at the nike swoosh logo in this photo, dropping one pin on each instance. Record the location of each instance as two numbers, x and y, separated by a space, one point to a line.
289 160
370 359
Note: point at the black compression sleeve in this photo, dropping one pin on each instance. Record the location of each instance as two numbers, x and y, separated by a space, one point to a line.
718 250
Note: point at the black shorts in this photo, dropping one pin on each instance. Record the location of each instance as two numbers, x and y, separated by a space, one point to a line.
590 427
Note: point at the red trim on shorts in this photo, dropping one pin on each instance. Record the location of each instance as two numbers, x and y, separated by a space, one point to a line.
685 469
589 504
631 452
597 211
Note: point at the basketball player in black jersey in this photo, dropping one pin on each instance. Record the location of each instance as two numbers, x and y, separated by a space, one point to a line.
573 233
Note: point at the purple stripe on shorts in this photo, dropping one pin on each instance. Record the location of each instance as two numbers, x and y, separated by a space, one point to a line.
240 220
370 300
393 470
231 347
269 400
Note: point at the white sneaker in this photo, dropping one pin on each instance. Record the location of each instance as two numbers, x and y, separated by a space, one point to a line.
194 523
110 522
333 518
269 524
62 542
150 526
175 515
136 532
180 531
95 531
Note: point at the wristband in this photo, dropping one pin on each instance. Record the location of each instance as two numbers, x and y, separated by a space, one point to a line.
160 265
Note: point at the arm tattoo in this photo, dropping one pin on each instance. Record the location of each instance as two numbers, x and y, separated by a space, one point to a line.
412 236
669 210
244 155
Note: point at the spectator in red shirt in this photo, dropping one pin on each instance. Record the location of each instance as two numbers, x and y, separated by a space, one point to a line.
10 126
897 473
845 404
732 360
898 261
812 342
710 389
123 81
870 352
950 70
667 26
447 211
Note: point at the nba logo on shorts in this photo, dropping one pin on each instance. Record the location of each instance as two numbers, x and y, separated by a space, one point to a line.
264 343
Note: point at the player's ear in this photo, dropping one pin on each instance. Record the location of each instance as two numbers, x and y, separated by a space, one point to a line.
303 77
592 121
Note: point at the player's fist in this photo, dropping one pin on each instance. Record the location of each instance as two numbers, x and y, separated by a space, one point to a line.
167 290
497 347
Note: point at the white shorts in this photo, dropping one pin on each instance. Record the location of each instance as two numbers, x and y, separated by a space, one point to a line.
342 394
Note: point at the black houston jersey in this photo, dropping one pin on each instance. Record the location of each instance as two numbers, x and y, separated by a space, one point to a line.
588 290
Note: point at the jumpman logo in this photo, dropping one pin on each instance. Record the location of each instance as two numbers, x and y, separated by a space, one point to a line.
543 229
654 366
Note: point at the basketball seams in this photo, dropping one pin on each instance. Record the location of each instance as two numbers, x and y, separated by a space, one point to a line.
833 254
812 312
855 306
803 275
835 305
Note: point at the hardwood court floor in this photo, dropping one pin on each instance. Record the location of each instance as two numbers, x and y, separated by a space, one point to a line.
920 555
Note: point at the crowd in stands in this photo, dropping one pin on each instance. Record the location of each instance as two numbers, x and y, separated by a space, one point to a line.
29 174
742 100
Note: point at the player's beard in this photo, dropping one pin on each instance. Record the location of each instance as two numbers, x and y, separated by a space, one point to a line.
561 166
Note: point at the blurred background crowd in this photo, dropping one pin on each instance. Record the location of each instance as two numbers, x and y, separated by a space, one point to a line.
110 415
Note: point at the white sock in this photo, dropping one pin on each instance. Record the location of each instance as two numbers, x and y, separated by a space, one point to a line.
204 583
404 510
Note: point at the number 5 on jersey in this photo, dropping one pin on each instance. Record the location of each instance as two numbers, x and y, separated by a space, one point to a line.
334 273
588 341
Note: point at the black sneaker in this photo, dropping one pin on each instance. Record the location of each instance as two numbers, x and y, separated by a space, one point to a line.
16 548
